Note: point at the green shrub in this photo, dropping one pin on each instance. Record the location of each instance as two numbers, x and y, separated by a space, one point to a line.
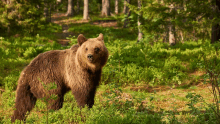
157 64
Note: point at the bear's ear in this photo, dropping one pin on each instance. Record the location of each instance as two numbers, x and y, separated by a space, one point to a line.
81 39
100 37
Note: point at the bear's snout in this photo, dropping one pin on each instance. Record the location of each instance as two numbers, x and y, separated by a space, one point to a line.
90 57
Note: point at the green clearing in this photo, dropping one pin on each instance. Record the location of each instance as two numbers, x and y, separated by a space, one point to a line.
141 83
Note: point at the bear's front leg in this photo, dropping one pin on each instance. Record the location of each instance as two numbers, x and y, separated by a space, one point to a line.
85 98
90 101
56 103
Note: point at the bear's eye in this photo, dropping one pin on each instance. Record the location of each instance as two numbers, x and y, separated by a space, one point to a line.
97 50
86 49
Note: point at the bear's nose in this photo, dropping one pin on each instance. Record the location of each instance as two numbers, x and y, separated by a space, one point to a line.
89 56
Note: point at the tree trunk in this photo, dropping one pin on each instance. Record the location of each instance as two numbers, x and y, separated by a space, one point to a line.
166 34
46 11
140 34
172 37
70 9
215 35
78 6
105 7
8 28
8 1
181 36
124 9
86 10
116 6
127 13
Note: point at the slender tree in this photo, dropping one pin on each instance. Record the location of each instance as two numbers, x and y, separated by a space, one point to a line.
8 10
86 10
70 9
116 6
105 7
78 6
215 35
46 11
172 38
124 9
140 34
127 14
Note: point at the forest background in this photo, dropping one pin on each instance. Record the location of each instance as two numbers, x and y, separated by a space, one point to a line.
163 66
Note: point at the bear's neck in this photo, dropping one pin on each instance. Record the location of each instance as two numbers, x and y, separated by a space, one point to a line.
87 70
91 75
77 75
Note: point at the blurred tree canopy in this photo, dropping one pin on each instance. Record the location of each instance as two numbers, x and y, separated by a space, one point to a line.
184 19
21 15
192 18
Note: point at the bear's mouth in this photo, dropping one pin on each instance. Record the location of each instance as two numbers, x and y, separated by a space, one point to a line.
90 60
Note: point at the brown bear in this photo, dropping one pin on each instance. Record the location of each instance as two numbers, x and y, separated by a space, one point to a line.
77 69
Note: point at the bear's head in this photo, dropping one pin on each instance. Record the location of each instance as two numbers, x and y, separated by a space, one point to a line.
92 53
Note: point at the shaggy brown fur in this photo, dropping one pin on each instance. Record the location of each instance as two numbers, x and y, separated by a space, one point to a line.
77 69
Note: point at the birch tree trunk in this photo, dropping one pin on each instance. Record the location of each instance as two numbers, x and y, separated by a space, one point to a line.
172 39
86 10
70 8
105 7
140 34
116 6
124 9
171 27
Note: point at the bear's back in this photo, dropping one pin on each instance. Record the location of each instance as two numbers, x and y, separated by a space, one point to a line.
46 67
47 60
74 47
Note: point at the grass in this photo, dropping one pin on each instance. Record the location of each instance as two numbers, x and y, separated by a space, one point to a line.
141 83
109 105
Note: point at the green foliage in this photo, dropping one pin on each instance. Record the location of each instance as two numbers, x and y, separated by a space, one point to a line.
157 64
209 116
190 17
112 116
194 98
145 63
154 65
48 87
211 65
25 17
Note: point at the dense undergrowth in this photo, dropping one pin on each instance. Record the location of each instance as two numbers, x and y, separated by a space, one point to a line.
157 64
129 64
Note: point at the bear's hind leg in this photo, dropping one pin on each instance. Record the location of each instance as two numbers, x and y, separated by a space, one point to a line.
25 101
